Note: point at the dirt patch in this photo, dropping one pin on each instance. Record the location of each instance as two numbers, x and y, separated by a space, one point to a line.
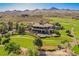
24 51
62 52
54 51
49 47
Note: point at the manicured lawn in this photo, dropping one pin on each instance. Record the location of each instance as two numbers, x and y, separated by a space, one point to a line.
76 49
2 51
68 24
25 41
54 41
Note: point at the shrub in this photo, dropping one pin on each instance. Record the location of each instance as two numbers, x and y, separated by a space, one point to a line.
30 52
7 35
12 48
38 42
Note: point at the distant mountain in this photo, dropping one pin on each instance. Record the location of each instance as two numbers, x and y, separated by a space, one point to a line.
37 10
36 14
66 9
26 10
54 8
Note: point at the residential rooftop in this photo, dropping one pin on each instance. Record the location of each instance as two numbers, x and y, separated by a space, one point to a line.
42 25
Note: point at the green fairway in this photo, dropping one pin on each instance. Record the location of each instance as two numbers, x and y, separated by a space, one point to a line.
2 51
67 23
25 41
54 41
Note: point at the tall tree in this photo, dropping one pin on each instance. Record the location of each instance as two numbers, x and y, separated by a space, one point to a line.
7 40
0 39
21 29
10 25
3 28
12 48
7 35
38 42
17 25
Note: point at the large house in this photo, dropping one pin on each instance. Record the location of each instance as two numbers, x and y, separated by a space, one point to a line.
42 29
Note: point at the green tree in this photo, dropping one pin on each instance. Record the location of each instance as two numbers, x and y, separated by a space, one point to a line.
6 40
69 33
31 52
0 28
7 35
56 32
3 28
58 26
34 52
10 25
0 39
17 25
38 42
12 48
21 29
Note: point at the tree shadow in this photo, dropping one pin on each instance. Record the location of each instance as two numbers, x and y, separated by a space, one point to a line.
42 53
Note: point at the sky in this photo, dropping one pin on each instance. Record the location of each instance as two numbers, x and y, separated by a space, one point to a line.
31 6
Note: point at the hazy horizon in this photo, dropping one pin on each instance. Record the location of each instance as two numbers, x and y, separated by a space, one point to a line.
31 6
